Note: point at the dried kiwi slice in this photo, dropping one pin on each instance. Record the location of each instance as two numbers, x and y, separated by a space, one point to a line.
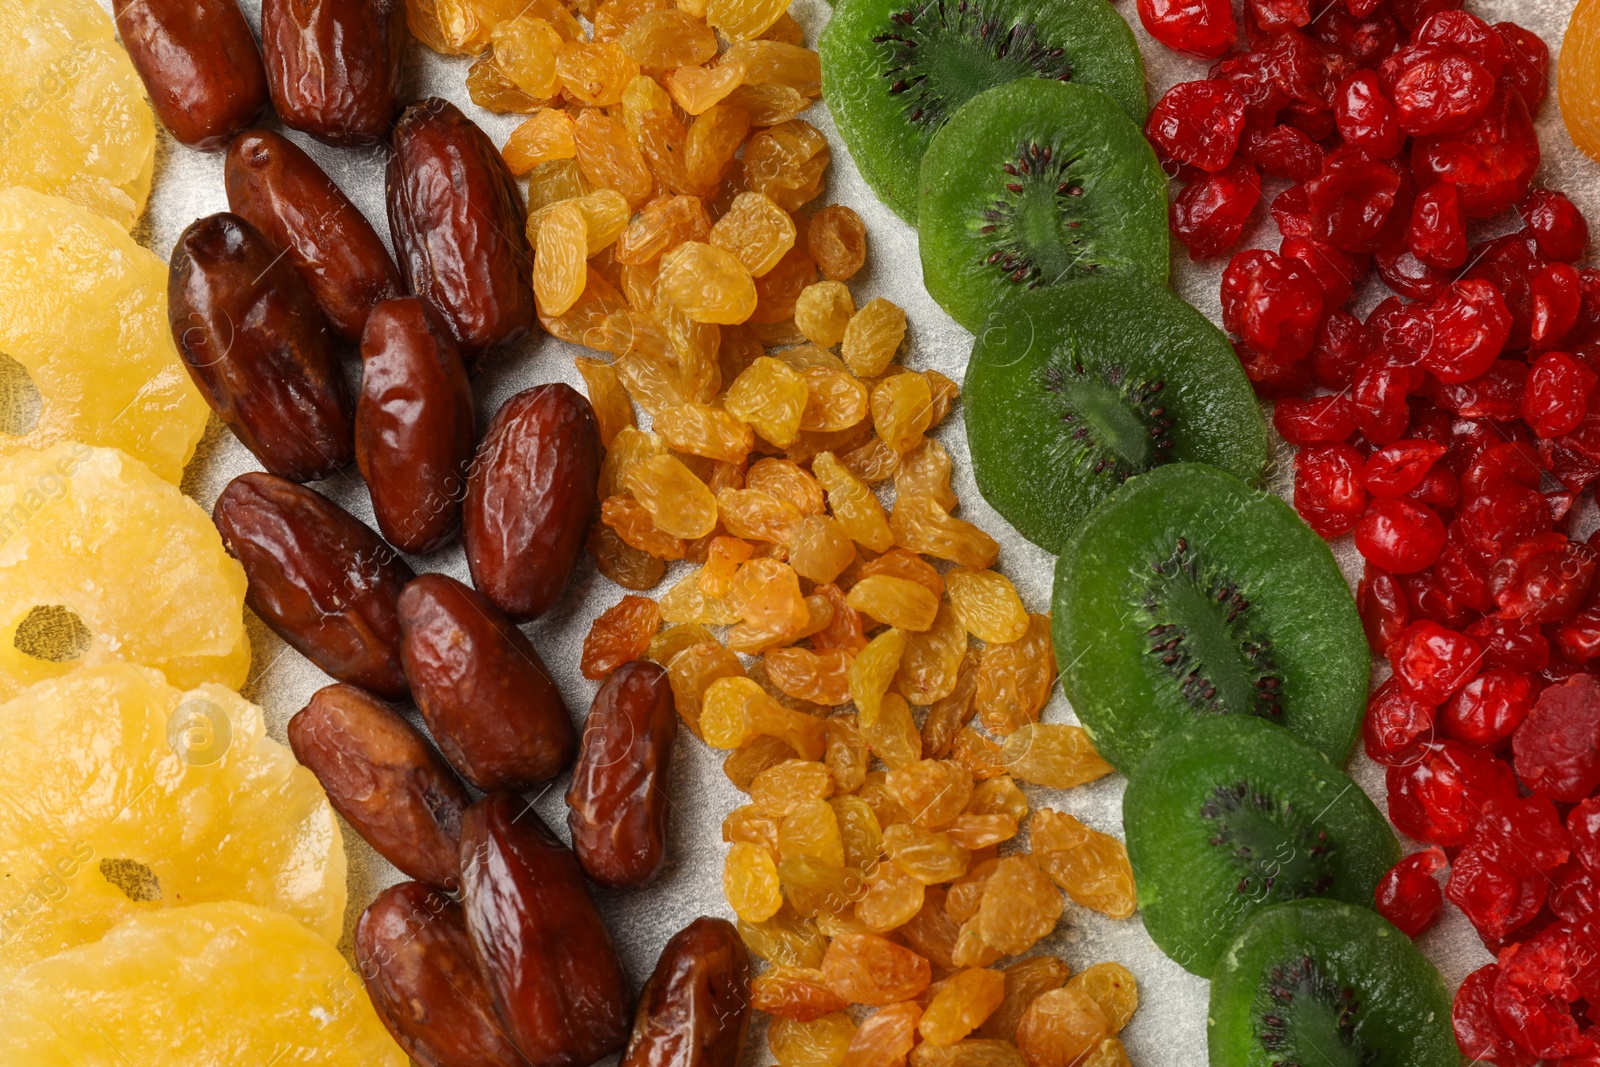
893 71
1077 390
1186 595
1235 814
1031 186
1319 983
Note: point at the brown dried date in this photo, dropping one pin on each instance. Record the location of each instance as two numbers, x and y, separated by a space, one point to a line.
457 221
385 779
414 425
258 348
199 63
482 689
282 192
417 964
333 66
617 803
696 1006
530 498
539 938
319 577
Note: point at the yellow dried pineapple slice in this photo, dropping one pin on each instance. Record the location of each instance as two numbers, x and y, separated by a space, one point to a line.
102 561
214 985
73 116
122 795
83 309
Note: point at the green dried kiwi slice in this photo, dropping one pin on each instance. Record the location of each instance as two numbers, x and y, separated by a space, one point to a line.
1188 595
1233 815
1077 390
1032 186
1317 982
893 71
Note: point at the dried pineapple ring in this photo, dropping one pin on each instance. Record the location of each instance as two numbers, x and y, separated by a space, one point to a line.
209 984
84 309
73 116
123 795
130 559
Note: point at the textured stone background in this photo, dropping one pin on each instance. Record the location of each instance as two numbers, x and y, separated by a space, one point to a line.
1169 1030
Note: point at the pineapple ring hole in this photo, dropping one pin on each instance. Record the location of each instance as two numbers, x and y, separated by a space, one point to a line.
137 882
52 633
20 402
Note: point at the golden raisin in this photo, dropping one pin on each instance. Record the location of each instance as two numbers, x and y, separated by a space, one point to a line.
783 788
925 471
691 674
799 993
703 430
780 63
818 677
750 823
892 732
853 504
629 567
988 605
897 602
766 594
902 410
757 515
742 19
819 548
786 480
613 17
872 337
559 269
679 503
786 162
963 1002
920 525
1053 755
951 712
865 969
1026 980
743 764
546 135
665 39
838 241
525 49
892 897
553 182
750 882
931 667
1112 987
934 792
723 559
612 408
822 311
978 754
884 1039
873 671
811 829
1095 873
619 635
769 103
769 396
715 137
663 224
931 931
608 157
710 285
843 629
490 88
927 856
779 288
756 230
1059 1027
848 756
736 710
786 939
838 400
677 639
1020 905
820 1043
698 89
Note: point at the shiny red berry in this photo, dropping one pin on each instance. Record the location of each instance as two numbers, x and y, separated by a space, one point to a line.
1350 201
1409 896
1492 162
1557 395
1283 152
1467 34
1432 662
1204 28
1397 726
1487 710
1556 292
1314 420
1527 64
1437 798
1535 990
1366 118
1273 303
1381 602
1557 748
1400 535
1544 579
1583 827
1210 213
1438 231
1513 643
1436 91
1494 898
1327 488
1396 469
1197 123
1470 326
1342 344
1477 1028
1556 224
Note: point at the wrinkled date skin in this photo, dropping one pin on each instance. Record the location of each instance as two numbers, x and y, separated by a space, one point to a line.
258 348
618 801
539 938
417 964
282 192
414 425
696 1006
319 577
333 66
482 689
458 226
199 63
385 779
530 498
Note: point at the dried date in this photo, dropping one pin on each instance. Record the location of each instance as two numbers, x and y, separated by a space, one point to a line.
258 348
695 1008
320 578
414 425
458 226
385 779
417 964
333 66
539 938
482 689
530 497
618 801
199 63
282 192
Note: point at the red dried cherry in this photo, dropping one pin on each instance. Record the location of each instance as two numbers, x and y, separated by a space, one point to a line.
1437 797
1314 420
1357 30
1400 535
1556 224
1250 74
1470 325
1432 662
1524 834
1407 275
1381 602
1275 16
1583 827
1337 271
1342 344
1327 488
1397 726
1351 199
1556 293
1396 469
1210 213
1436 91
1492 896
1492 162
1379 395
1514 643
1543 579
1527 64
1283 152
1502 516
1467 34
1477 1028
1413 13
1273 303
1499 463
1534 992
1439 489
1438 231
1557 748
1496 394
1366 118
1197 123
1557 394
1204 28
1409 896
1487 710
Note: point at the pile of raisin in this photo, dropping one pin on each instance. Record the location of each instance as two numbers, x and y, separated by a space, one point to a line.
1453 433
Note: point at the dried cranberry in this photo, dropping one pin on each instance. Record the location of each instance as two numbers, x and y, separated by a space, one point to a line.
1470 326
1210 213
1409 895
1488 709
1397 726
1270 379
1342 344
1379 394
1398 468
1557 296
1337 271
1429 598
1250 74
1409 276
1583 827
1313 120
1527 64
1439 489
1400 331
1524 834
1438 231
1557 394
1436 91
1413 13
1203 28
1513 643
1273 303
1467 34
1508 263
1557 748
1432 662
1495 395
1351 199
1463 576
1366 118
1501 462
1316 420
1556 224
1501 517
1275 16
1575 899
1492 161
1283 152
1400 535
1327 488
1477 1028
1496 899
1381 602
1543 579
1363 34
1533 994
1301 70
1291 212
1438 797
1197 123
